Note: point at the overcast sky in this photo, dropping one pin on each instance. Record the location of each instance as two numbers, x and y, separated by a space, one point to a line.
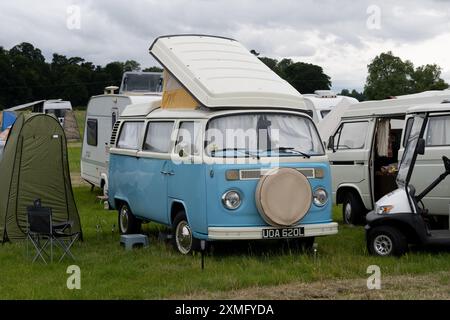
341 36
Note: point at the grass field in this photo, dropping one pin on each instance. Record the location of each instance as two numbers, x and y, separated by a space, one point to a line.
247 270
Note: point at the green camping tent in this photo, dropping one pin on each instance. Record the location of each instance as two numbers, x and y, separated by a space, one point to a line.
35 166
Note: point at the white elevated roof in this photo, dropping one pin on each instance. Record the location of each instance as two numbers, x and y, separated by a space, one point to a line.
222 73
391 106
441 107
327 103
140 109
57 104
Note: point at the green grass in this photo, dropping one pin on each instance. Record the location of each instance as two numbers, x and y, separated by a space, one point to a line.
80 116
156 272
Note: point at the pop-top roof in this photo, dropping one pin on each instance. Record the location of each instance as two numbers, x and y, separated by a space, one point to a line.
222 73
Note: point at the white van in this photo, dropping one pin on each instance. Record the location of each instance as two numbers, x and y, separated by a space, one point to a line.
364 149
323 101
101 115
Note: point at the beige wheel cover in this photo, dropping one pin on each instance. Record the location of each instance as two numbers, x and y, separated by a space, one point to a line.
283 196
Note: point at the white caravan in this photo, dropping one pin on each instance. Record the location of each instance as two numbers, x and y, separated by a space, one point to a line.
323 101
364 149
101 115
58 108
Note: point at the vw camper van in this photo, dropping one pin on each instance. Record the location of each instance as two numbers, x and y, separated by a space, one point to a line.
229 153
364 150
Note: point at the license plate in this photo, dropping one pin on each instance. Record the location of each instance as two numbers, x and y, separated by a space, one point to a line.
283 233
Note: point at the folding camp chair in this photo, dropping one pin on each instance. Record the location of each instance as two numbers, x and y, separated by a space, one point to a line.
42 233
65 238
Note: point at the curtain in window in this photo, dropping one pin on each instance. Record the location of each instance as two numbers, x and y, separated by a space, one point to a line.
383 138
438 133
158 137
129 135
188 137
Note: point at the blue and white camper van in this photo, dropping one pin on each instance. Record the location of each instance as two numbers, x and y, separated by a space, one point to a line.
229 153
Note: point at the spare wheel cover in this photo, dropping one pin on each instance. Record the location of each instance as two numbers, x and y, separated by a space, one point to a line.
283 196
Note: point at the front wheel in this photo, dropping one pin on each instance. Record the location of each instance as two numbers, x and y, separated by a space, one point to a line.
128 223
386 241
352 209
182 236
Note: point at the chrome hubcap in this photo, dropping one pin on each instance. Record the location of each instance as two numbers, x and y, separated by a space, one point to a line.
348 212
183 237
124 219
383 245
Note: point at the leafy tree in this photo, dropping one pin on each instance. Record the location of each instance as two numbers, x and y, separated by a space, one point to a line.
131 65
389 76
354 94
153 69
428 77
304 77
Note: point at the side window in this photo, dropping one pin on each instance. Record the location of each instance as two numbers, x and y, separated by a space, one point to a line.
351 135
438 132
129 135
188 138
158 136
92 132
408 127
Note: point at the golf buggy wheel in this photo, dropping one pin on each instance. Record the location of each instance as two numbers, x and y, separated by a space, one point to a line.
352 209
386 241
183 238
128 223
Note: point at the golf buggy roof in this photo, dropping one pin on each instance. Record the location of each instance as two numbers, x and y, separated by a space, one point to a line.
221 73
391 107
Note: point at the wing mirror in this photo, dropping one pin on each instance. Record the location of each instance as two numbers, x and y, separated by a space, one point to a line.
330 144
421 146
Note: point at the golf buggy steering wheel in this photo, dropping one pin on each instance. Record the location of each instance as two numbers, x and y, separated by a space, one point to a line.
446 164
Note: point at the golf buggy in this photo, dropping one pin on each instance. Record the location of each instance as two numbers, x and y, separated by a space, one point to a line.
400 218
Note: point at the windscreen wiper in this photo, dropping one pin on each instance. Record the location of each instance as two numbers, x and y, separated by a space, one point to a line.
246 152
293 150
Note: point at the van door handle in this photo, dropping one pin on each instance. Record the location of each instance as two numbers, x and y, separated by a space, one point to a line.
359 162
170 173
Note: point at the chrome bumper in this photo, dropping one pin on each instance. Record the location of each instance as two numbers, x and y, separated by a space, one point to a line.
254 233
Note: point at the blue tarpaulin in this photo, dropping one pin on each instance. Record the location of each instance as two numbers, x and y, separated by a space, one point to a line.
9 118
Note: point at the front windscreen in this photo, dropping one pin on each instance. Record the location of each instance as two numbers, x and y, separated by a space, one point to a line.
262 134
410 150
141 82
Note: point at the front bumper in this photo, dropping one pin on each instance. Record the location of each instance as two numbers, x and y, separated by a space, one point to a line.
255 233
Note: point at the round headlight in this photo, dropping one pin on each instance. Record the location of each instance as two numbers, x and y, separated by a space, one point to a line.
320 197
231 200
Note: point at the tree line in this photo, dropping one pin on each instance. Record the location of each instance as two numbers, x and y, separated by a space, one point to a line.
26 76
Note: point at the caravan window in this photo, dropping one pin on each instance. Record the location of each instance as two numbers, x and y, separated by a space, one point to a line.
129 135
438 132
91 132
158 136
351 135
